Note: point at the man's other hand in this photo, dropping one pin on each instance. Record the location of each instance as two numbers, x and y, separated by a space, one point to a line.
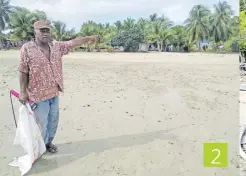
24 98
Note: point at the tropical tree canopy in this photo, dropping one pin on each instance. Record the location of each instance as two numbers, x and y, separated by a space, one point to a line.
221 22
21 22
242 29
60 32
128 39
218 26
5 9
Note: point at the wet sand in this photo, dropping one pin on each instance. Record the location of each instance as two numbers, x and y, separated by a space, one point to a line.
135 114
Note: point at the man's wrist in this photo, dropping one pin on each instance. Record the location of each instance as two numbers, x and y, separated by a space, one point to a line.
23 91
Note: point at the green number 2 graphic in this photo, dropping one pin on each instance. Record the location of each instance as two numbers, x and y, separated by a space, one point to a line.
215 154
218 152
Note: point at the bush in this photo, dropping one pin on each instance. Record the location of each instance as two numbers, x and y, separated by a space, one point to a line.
191 47
243 46
228 47
108 48
175 49
232 45
79 49
129 40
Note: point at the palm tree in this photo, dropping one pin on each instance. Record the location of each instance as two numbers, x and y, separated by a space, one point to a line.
87 29
39 15
165 36
242 5
242 26
5 9
129 23
158 32
118 26
165 20
100 31
242 29
110 33
180 37
2 36
104 32
234 26
221 21
144 26
60 33
153 17
107 25
219 26
21 23
198 24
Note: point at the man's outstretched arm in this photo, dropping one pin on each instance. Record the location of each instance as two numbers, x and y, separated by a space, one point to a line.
65 47
82 40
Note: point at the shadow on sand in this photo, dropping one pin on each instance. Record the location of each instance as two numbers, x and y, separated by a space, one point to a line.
70 152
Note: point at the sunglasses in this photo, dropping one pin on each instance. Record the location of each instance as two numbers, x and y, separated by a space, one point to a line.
44 30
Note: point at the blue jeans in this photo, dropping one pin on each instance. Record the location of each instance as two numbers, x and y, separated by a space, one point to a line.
47 115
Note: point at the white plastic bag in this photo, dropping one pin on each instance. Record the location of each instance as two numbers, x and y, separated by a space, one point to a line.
28 135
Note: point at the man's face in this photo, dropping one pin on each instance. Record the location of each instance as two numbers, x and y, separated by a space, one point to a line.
43 35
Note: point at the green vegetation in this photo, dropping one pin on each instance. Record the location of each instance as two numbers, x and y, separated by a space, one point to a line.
219 27
128 39
242 27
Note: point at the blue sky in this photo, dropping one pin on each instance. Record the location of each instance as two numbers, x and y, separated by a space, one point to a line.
75 12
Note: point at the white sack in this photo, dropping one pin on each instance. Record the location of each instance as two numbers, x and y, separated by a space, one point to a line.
28 135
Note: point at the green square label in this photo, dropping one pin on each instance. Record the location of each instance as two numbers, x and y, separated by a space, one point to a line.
215 154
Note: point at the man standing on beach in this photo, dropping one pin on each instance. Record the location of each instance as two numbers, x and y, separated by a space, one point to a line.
41 77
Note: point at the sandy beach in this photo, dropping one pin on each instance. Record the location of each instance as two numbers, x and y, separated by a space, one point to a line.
133 114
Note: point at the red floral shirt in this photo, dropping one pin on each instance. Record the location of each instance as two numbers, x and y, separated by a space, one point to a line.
45 76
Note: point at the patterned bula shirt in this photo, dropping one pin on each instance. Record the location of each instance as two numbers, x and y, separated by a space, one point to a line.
45 75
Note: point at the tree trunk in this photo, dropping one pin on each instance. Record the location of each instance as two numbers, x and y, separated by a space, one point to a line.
159 46
98 48
199 47
165 47
88 48
97 45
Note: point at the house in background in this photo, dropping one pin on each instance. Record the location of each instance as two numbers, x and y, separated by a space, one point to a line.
205 45
143 47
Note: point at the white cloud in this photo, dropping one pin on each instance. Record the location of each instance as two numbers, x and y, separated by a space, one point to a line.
75 12
172 8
